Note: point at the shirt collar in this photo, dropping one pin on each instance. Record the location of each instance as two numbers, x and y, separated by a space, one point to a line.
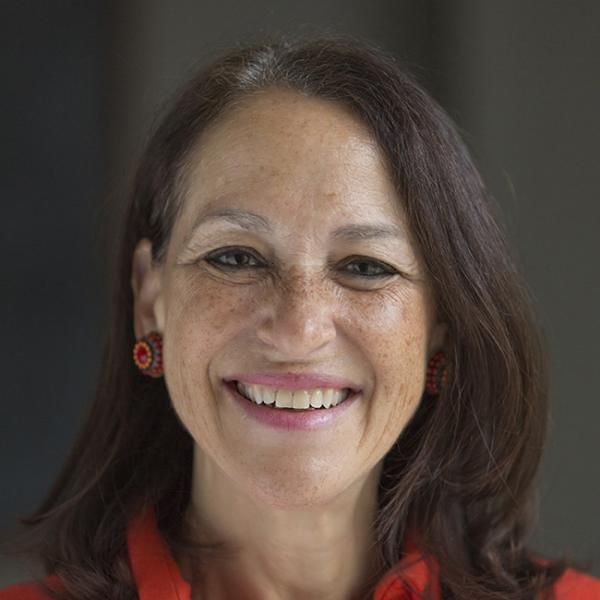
158 577
155 571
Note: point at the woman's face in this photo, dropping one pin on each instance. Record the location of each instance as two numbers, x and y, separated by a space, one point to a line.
291 256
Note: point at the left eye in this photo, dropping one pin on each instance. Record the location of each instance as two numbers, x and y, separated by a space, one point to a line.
364 267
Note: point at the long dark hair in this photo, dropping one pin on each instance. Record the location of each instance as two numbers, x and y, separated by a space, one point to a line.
461 473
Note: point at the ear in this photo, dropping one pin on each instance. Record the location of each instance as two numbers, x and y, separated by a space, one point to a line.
146 282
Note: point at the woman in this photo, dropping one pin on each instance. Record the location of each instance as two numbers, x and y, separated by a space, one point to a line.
338 389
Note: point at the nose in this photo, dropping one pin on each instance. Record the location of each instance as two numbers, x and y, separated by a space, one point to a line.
299 319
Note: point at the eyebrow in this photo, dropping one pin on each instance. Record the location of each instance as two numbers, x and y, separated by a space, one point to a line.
250 221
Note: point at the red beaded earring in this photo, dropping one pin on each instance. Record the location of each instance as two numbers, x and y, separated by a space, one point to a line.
437 374
147 354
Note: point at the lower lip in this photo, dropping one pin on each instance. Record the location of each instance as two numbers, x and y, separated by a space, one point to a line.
289 418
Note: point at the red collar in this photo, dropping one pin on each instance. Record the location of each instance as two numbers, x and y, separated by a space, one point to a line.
158 577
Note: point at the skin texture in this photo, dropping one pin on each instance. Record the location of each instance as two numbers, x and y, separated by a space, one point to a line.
294 507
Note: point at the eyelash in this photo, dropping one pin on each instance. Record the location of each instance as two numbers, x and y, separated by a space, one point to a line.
213 259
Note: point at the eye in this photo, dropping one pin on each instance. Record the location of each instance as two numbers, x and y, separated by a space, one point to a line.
239 259
233 258
366 267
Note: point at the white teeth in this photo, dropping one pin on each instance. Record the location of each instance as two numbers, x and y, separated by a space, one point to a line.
284 399
301 399
316 399
298 399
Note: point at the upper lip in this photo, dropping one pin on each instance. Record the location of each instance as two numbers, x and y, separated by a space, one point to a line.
294 381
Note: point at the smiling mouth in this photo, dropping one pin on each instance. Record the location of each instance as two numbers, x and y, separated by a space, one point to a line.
293 400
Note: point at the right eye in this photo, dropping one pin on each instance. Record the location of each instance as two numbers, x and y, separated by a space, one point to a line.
233 258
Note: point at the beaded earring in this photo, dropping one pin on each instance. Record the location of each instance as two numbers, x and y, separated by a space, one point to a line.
147 354
437 374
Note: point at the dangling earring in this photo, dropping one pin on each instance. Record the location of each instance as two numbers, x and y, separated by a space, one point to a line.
147 354
437 374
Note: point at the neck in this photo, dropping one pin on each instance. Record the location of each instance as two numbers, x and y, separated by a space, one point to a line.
324 552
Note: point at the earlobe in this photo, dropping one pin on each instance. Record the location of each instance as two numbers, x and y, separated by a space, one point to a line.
146 283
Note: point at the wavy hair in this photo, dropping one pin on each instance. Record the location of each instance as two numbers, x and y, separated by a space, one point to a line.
461 473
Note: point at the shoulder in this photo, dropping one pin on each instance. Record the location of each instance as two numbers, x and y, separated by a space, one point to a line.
573 585
30 590
23 591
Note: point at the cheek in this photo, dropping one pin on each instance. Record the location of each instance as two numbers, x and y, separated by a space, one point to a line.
201 317
203 312
393 324
392 330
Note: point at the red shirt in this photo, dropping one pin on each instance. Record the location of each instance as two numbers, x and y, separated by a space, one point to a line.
158 577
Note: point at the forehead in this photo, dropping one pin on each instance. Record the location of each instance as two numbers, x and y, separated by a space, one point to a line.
286 150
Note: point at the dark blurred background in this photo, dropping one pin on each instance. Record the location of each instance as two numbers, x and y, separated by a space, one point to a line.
82 84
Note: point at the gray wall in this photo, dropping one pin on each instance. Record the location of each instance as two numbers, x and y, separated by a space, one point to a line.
53 168
524 81
86 79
